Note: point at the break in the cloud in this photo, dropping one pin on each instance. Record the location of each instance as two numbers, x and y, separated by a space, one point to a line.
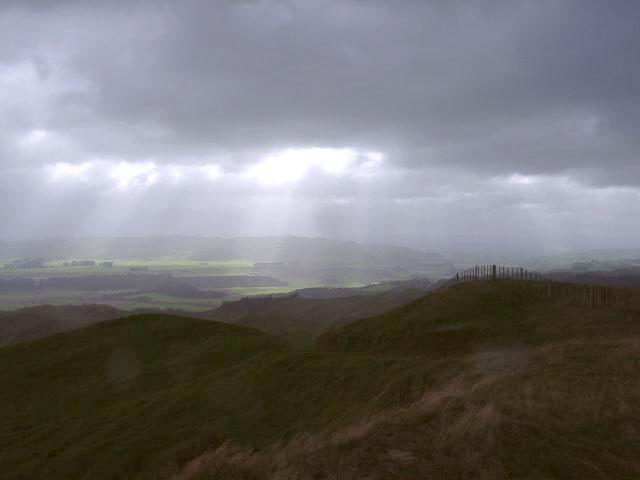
434 123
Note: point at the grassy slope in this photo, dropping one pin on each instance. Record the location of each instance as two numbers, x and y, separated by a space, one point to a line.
471 316
138 397
518 387
499 383
120 396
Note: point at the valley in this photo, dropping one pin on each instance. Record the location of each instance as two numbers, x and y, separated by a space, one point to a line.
126 273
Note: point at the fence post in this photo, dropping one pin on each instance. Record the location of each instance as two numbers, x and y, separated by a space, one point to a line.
585 295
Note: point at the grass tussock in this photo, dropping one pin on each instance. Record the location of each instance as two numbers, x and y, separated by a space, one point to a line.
544 419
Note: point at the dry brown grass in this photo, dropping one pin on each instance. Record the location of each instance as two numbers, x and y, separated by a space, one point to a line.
297 458
536 389
504 408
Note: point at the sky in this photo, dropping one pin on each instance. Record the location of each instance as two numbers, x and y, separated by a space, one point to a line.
441 125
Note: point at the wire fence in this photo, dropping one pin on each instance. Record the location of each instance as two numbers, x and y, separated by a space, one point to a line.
594 296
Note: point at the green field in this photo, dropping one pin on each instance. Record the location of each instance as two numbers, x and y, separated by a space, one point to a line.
174 265
252 291
477 381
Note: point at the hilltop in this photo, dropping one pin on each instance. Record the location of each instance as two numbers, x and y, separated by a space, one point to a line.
462 318
480 380
123 396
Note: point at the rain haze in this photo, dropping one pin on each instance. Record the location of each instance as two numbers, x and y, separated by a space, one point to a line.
443 126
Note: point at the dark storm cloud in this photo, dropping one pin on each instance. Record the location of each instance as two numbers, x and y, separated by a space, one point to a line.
458 96
535 87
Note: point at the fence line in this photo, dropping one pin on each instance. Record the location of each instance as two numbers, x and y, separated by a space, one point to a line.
593 296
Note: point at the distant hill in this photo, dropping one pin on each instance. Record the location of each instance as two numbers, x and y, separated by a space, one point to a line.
300 320
258 249
423 284
173 288
291 317
316 250
31 323
108 248
612 277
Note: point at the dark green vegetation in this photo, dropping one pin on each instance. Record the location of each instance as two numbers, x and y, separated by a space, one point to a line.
482 380
171 288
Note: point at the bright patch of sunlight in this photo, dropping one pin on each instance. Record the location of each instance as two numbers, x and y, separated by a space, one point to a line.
520 179
127 174
124 175
174 174
212 171
293 164
34 137
287 166
63 171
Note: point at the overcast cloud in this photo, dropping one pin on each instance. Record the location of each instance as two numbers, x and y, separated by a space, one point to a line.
443 124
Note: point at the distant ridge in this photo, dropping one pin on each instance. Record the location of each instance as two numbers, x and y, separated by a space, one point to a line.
258 249
32 323
319 250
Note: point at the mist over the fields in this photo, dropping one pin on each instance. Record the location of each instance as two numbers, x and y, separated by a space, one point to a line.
445 126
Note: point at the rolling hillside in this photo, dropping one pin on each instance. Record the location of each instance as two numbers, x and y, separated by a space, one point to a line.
482 380
292 318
